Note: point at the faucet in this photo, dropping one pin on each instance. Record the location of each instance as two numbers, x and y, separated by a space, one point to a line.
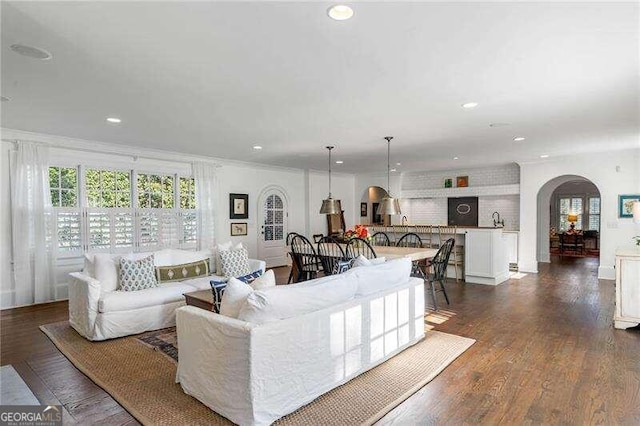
404 219
497 222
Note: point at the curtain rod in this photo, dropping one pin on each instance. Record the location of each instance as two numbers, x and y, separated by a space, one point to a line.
134 157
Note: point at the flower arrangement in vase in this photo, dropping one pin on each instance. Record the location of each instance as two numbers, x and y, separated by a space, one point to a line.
360 231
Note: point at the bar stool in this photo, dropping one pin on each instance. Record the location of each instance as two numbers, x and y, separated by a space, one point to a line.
426 233
457 253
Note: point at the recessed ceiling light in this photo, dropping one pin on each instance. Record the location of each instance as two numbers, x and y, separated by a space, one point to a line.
257 147
339 161
455 158
5 98
114 120
340 12
31 52
544 156
469 105
393 170
499 124
398 164
518 138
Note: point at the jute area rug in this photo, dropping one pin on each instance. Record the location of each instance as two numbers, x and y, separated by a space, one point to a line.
139 372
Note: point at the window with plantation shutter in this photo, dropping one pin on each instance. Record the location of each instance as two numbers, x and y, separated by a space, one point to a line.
121 210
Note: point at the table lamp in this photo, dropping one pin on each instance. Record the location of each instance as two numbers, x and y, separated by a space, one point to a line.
572 218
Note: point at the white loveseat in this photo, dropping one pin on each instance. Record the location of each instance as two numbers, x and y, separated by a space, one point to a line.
98 312
256 372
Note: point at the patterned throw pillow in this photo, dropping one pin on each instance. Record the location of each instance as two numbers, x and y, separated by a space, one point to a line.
235 263
342 266
137 274
218 287
167 274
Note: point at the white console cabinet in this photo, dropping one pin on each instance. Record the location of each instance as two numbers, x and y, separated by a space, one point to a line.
627 288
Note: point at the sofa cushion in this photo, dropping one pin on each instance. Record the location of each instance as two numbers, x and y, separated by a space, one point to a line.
179 257
283 302
235 263
106 269
130 300
375 278
182 271
137 274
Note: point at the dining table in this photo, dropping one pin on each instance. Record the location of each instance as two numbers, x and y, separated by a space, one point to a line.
393 252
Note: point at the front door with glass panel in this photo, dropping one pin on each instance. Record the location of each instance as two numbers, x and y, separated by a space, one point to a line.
273 215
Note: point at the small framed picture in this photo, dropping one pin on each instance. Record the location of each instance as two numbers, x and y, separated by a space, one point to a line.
448 183
625 205
363 210
238 206
462 181
238 229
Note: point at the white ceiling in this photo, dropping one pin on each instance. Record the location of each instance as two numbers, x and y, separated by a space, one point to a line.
217 78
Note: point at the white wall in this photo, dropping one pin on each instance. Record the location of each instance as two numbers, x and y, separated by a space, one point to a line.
613 173
364 181
304 191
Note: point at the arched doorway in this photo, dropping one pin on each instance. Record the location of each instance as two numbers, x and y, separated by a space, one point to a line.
558 201
371 199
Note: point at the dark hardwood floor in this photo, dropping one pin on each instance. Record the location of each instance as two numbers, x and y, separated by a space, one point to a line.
546 353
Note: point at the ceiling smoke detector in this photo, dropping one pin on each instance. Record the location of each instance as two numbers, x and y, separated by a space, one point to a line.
31 52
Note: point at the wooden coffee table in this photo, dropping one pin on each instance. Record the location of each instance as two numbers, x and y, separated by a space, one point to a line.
202 299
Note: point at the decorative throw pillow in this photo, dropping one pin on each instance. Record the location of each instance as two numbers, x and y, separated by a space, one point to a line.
167 274
363 261
342 266
224 247
238 295
137 274
235 263
234 297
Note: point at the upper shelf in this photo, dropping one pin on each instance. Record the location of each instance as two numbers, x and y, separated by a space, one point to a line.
471 191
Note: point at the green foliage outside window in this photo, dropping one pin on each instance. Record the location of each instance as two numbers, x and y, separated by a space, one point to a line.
108 189
63 182
155 191
187 193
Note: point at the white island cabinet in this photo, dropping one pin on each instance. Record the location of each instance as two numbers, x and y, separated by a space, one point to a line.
627 288
486 256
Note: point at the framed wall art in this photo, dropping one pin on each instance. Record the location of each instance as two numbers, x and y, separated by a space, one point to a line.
363 210
625 205
462 181
238 229
238 206
448 183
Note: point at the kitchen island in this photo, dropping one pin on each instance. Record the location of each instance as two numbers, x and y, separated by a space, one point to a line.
487 251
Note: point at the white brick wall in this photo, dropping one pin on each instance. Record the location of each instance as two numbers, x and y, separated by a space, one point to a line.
434 210
499 175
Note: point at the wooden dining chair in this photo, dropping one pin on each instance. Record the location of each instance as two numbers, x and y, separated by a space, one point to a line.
292 272
410 240
357 247
305 258
330 253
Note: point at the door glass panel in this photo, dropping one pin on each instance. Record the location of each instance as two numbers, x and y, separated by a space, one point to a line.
268 233
269 217
279 232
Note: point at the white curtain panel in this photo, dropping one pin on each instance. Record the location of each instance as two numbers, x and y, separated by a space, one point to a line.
206 202
32 225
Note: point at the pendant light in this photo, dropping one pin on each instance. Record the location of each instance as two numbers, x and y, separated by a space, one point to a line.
330 206
389 205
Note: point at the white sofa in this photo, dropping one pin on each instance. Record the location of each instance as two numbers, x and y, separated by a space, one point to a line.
256 372
98 313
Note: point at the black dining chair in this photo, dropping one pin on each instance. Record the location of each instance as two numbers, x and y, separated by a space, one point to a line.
330 253
380 239
413 240
292 272
410 240
304 258
357 247
437 270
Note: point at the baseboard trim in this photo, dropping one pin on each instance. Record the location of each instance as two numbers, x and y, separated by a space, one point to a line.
606 273
531 268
